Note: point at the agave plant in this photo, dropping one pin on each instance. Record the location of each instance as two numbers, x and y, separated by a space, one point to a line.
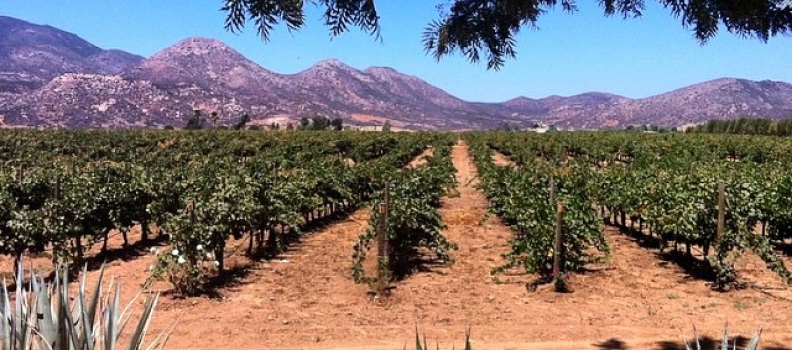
44 317
425 346
753 344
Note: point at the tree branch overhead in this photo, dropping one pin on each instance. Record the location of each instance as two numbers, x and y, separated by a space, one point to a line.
486 29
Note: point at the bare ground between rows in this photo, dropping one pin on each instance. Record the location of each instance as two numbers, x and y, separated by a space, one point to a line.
501 159
421 158
307 300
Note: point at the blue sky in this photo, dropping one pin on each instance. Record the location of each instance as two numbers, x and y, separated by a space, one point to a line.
569 54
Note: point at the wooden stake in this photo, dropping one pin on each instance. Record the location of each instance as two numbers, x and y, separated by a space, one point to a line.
191 209
383 266
721 213
558 239
56 188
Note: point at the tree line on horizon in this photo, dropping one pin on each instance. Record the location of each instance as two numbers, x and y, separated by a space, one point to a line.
198 121
746 126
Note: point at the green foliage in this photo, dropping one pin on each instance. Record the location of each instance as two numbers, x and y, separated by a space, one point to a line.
483 29
196 121
43 316
68 189
745 126
522 198
319 122
666 184
339 15
243 120
648 128
413 220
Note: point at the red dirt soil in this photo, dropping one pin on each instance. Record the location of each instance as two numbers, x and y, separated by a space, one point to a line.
306 299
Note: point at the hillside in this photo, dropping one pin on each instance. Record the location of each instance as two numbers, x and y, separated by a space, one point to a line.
53 78
31 55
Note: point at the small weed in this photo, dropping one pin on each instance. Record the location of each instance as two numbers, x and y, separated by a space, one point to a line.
741 305
651 311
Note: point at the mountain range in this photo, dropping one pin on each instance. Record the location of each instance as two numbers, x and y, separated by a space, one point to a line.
51 78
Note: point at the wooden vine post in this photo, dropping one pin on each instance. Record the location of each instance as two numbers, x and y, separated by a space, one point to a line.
56 190
383 265
721 213
559 281
557 246
191 210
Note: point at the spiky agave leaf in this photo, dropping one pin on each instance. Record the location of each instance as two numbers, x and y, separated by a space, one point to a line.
754 343
88 310
685 341
139 335
45 318
159 342
417 339
5 327
46 326
725 341
467 340
695 334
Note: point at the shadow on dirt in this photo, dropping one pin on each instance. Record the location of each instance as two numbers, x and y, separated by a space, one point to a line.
612 344
694 268
128 253
708 343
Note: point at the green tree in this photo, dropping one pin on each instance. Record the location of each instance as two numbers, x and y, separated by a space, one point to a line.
196 121
386 127
337 124
487 29
304 123
215 117
319 122
243 120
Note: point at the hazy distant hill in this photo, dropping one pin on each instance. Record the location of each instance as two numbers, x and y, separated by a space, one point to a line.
53 78
31 55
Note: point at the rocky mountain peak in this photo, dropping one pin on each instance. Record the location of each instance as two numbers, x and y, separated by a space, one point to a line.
331 63
329 67
197 46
